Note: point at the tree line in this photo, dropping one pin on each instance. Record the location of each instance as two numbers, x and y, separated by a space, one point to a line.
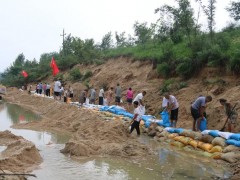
175 43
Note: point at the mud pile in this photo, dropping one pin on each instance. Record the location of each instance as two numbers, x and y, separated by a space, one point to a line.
20 155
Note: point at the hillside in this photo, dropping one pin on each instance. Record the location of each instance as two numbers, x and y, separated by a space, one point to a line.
141 76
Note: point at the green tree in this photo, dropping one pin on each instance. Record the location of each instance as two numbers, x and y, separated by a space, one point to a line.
106 41
234 10
177 21
209 11
142 32
120 39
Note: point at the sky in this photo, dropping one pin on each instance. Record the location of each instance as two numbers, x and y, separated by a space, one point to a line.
33 27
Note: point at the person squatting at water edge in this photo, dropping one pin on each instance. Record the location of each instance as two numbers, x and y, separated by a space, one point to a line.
136 118
198 109
171 105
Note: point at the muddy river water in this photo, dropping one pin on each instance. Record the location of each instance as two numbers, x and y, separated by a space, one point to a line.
169 163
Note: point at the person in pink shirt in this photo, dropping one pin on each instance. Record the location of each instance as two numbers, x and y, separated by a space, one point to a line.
129 97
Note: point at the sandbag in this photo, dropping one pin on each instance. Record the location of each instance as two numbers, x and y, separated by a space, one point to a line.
231 157
216 155
163 134
147 124
171 130
188 148
186 133
235 136
152 133
185 140
216 149
225 135
207 138
205 146
177 144
203 124
233 142
165 117
205 132
207 154
213 133
231 148
193 143
178 130
219 141
173 135
159 129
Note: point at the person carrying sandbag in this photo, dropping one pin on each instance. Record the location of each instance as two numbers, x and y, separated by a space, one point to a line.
170 103
197 110
231 114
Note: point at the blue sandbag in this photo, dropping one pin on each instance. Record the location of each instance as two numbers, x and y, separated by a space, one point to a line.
104 108
235 137
172 130
178 130
127 114
160 123
233 142
213 133
165 117
147 124
112 111
203 125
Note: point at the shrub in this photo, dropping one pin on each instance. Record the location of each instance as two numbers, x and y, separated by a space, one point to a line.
167 85
163 69
186 68
98 62
75 74
87 75
59 76
234 63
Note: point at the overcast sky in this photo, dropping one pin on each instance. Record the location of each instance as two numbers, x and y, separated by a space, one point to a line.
33 27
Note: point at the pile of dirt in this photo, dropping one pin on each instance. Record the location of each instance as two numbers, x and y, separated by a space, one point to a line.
104 138
20 155
92 135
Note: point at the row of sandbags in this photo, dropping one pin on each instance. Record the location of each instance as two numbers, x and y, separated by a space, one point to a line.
147 119
215 147
231 138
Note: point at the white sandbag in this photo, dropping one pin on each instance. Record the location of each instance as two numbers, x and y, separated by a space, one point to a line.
205 132
225 135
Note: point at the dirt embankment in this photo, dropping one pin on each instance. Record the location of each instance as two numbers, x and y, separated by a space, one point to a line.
91 135
20 155
141 76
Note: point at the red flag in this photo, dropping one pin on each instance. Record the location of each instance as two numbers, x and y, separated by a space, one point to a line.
54 67
24 73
